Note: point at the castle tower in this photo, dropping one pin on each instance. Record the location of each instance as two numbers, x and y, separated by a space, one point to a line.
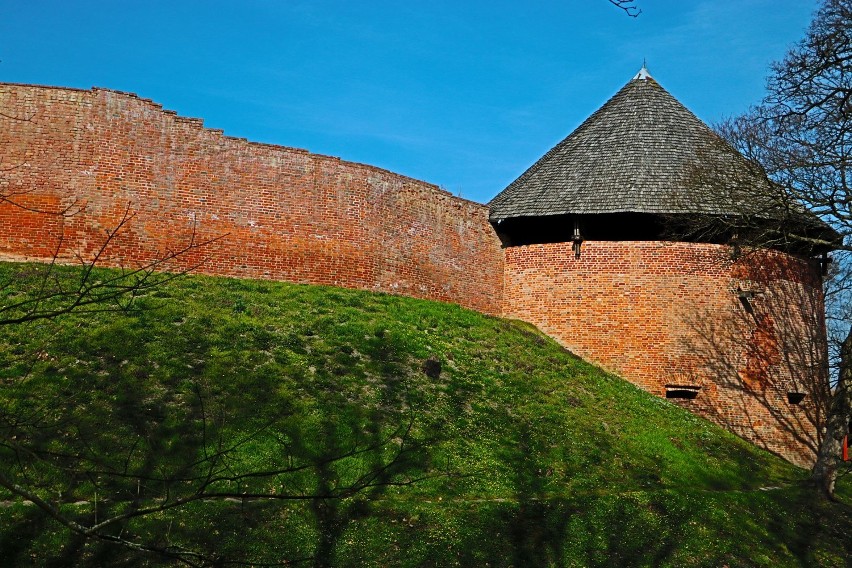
587 250
608 250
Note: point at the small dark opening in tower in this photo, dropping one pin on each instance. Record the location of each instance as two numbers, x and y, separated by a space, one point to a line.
682 391
795 397
745 299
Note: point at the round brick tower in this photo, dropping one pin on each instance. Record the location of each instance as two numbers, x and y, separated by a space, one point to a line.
608 249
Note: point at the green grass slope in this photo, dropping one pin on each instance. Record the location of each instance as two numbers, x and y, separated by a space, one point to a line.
446 437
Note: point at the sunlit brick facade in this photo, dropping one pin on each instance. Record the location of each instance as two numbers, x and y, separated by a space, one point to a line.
661 314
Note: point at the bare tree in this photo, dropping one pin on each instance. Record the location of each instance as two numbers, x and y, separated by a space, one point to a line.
801 136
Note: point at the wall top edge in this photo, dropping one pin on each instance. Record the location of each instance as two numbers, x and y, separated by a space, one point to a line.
199 123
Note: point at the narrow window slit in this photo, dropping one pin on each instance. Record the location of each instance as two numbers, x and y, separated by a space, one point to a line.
682 391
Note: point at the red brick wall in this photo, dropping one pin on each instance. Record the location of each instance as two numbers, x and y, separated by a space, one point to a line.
282 213
664 314
658 314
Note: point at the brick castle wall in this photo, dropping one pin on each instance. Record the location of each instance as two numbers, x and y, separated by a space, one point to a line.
281 213
669 314
656 313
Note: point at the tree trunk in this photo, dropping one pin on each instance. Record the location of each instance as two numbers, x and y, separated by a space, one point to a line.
824 473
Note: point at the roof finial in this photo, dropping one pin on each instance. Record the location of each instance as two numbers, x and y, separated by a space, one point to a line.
643 73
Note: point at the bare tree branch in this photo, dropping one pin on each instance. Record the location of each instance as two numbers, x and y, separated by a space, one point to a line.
801 136
628 6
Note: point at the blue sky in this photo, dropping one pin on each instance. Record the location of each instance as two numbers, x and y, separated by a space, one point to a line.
463 94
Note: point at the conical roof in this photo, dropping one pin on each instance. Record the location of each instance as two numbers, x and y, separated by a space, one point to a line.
641 152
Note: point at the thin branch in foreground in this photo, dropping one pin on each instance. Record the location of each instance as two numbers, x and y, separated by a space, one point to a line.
628 6
91 295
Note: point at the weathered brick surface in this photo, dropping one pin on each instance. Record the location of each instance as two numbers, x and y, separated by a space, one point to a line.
283 213
670 314
656 313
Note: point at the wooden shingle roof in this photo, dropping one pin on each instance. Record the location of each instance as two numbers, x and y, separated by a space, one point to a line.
641 152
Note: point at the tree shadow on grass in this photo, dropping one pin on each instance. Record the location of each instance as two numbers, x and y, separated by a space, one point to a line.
668 528
215 446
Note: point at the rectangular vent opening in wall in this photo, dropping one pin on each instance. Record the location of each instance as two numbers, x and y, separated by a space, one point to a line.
795 397
682 391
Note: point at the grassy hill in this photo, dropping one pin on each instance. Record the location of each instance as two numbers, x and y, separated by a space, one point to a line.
443 437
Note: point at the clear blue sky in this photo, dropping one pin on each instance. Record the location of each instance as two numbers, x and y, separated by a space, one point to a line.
463 94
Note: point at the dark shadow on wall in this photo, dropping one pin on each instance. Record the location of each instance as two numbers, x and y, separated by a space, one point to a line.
761 365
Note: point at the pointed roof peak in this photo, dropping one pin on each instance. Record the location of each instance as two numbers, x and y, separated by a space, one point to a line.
641 152
642 74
